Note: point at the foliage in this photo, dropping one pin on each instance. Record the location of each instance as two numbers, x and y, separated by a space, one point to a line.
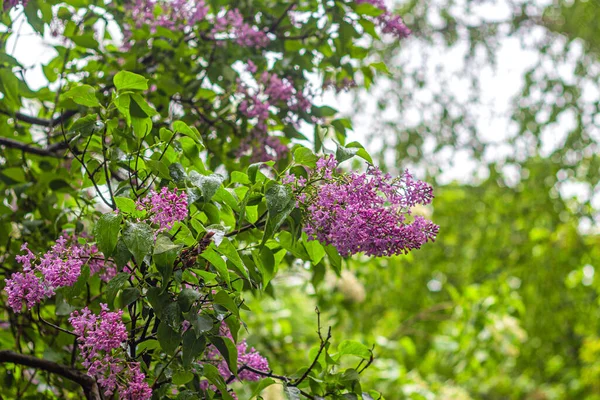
145 200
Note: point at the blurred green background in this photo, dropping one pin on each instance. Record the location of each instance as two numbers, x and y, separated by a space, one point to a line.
497 104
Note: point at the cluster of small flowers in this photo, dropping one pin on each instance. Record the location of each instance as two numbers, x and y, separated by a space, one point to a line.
165 207
272 91
389 22
246 357
232 23
100 340
8 4
366 212
59 267
173 15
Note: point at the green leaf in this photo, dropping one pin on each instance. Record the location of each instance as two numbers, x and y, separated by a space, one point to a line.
164 244
315 250
126 80
129 295
208 185
217 261
361 151
305 156
368 9
168 338
344 153
354 348
158 299
121 254
228 350
84 95
139 238
324 111
31 12
381 67
87 125
193 346
125 204
9 85
212 374
262 385
291 392
182 377
159 168
106 232
186 298
228 250
278 197
334 258
201 324
171 314
223 299
122 102
183 128
114 285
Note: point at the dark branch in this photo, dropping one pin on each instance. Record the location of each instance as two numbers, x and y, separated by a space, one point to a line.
89 385
51 151
50 123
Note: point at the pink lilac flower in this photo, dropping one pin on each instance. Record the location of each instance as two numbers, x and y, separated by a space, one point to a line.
368 213
101 339
232 23
61 266
136 387
246 357
24 287
173 14
58 267
165 207
388 22
272 92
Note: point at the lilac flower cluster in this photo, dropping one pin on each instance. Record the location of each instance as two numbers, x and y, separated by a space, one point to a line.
246 357
232 23
173 14
165 207
59 267
272 91
101 339
368 212
388 22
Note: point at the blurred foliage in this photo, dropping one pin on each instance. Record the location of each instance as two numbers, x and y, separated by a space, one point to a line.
505 306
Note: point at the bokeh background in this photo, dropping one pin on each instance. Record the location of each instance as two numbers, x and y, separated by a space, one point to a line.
497 104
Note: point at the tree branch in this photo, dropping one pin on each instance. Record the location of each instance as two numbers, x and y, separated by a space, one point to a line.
50 123
89 385
51 151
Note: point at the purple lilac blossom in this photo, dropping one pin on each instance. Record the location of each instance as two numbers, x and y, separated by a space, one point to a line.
388 22
272 91
101 338
165 207
246 357
231 22
173 15
368 212
58 267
